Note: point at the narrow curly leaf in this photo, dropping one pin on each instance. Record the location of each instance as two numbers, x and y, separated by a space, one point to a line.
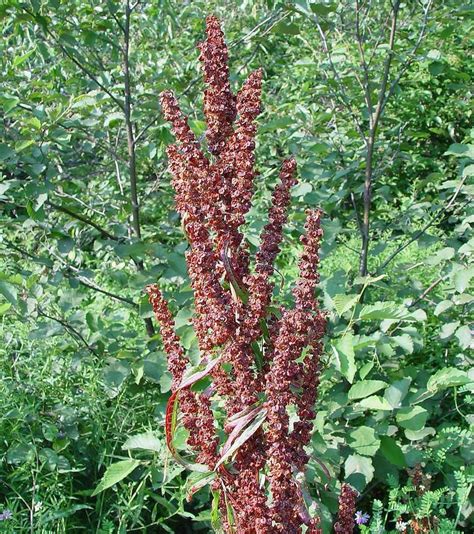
243 437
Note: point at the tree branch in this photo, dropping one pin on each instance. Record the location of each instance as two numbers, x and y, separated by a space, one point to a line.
132 163
83 219
411 56
78 64
374 122
430 223
69 329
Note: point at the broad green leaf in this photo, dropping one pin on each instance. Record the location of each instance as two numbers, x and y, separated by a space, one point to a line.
8 102
412 418
447 377
115 374
375 402
392 451
115 473
364 441
146 441
343 303
365 369
462 278
9 292
448 329
6 152
464 336
4 308
460 150
405 342
345 356
359 471
417 435
381 311
365 388
442 255
397 391
443 306
22 145
20 453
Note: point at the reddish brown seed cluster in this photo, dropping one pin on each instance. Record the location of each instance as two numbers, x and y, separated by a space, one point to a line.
347 509
261 361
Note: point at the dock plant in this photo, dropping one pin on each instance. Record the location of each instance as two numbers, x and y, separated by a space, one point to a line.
249 405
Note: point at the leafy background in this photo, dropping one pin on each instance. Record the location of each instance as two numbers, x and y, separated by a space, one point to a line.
83 381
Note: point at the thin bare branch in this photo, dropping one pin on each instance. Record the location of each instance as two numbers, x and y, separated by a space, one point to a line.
428 225
83 219
76 62
69 329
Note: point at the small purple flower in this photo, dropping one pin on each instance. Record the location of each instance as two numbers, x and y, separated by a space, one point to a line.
5 515
361 519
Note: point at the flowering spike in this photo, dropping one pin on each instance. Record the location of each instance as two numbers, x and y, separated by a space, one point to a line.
259 286
347 508
219 102
242 146
258 367
175 117
308 265
177 361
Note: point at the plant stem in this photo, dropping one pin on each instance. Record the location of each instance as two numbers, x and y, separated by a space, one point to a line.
373 126
132 162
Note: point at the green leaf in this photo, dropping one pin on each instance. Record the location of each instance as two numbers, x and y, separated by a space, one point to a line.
397 392
4 308
115 473
284 28
460 150
364 441
365 369
412 418
146 441
20 453
9 102
464 336
6 152
375 402
443 306
364 388
417 435
442 255
392 451
343 303
21 145
461 279
446 378
405 342
9 292
359 471
115 374
382 311
448 329
345 356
